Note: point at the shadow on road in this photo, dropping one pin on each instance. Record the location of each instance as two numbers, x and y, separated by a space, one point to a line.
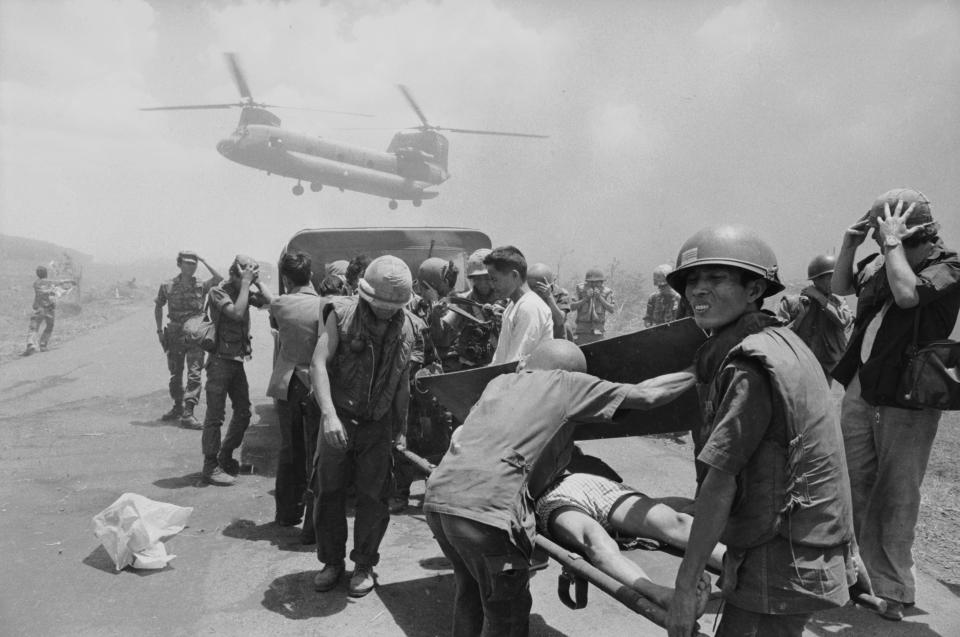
100 560
293 597
285 538
856 621
181 482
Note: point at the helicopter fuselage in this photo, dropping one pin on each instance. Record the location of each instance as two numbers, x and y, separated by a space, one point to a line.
402 174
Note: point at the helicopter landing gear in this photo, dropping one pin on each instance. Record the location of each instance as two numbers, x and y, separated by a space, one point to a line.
316 186
393 204
416 203
298 189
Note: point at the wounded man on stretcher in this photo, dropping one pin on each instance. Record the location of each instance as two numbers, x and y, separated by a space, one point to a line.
514 443
584 512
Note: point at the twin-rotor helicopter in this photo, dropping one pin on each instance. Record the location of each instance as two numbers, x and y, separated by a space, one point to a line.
414 162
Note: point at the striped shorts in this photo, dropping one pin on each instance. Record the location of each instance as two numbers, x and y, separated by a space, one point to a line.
594 495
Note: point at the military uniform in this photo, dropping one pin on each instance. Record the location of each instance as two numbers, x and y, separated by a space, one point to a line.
184 299
466 344
662 307
44 304
591 314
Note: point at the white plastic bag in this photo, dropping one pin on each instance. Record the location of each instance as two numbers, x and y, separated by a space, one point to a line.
130 530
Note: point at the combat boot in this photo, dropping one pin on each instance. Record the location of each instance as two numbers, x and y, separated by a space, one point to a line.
328 578
174 414
362 581
188 420
218 477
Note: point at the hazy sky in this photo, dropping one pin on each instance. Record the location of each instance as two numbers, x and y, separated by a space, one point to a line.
664 117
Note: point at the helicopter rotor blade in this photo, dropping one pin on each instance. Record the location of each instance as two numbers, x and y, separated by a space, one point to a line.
315 110
413 104
489 132
238 77
190 107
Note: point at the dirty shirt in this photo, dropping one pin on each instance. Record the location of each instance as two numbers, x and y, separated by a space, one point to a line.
514 443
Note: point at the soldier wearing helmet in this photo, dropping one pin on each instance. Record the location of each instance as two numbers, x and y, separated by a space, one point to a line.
359 376
908 293
541 280
592 301
818 316
471 324
662 305
428 423
784 516
184 296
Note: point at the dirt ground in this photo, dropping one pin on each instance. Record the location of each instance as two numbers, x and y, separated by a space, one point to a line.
937 547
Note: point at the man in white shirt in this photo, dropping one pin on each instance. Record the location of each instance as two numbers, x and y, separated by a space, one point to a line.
526 320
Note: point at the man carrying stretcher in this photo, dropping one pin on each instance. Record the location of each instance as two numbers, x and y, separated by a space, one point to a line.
515 442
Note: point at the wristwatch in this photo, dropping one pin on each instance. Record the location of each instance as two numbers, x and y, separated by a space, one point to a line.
890 242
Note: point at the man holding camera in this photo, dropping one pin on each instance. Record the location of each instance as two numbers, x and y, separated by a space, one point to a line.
183 295
593 301
230 311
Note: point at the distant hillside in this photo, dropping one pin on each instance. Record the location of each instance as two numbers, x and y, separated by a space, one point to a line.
36 251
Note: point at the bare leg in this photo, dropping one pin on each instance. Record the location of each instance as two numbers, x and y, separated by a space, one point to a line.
645 517
577 531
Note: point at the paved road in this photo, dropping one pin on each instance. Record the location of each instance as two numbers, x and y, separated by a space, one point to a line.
78 428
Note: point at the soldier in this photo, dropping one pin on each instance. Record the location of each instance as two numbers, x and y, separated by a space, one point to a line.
354 271
184 297
360 378
45 294
663 305
593 301
428 424
818 316
773 483
230 310
526 319
469 329
334 281
541 280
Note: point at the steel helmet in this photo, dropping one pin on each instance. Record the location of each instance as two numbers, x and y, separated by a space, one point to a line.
439 274
540 272
337 268
595 274
557 353
660 274
386 283
475 265
731 246
821 264
921 211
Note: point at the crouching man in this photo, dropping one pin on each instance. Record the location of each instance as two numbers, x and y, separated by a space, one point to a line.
772 481
518 438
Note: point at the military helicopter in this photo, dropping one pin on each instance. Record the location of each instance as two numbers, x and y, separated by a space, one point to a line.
415 160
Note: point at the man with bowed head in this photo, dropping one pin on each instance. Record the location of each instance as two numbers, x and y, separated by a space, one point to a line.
359 376
515 442
772 480
910 290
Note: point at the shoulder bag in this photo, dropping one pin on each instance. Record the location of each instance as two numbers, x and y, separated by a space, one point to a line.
931 377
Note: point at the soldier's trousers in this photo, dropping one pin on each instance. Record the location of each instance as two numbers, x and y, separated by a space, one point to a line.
224 378
36 339
299 426
366 463
180 358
